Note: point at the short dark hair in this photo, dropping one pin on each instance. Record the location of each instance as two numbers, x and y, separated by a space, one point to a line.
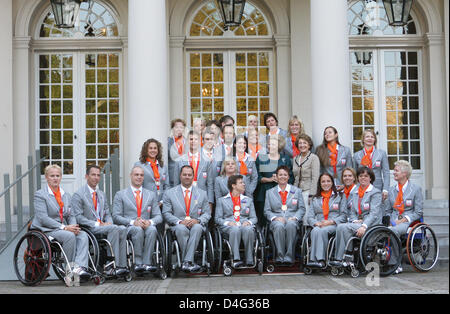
186 166
88 169
267 116
365 169
233 180
225 118
306 138
215 122
283 167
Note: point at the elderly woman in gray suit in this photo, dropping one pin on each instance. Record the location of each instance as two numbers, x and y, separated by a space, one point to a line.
333 156
156 175
376 159
405 201
326 212
138 209
54 216
235 215
364 213
245 165
284 209
306 168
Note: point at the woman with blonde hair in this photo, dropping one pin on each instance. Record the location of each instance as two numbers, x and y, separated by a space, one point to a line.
295 129
229 168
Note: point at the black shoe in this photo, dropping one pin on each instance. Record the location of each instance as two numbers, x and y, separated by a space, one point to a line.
194 268
250 264
121 272
139 268
237 264
314 264
151 268
185 267
336 263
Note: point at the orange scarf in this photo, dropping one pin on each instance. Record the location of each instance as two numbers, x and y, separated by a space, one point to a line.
333 156
325 203
361 192
180 145
399 205
155 171
347 190
254 150
295 150
367 158
243 167
58 197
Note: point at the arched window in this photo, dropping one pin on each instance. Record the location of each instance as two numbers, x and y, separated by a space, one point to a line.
369 17
94 21
208 22
386 83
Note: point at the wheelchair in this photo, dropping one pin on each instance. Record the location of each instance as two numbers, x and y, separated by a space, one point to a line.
158 258
420 245
270 248
224 253
306 250
203 256
36 252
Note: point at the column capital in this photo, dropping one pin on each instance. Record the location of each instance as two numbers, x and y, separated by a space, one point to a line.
434 39
22 42
177 41
282 40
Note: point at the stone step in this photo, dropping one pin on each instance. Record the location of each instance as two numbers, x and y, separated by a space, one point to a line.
431 220
444 212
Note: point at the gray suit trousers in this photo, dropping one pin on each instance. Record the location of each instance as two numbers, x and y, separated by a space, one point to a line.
284 236
76 247
117 236
343 234
235 235
319 242
188 240
143 243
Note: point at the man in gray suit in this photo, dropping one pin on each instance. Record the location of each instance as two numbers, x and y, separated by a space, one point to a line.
235 215
138 210
187 211
284 209
92 211
54 216
205 174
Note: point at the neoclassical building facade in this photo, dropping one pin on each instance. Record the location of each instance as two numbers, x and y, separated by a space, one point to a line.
129 67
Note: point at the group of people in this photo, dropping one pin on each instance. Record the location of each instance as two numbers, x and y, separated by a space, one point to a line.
235 182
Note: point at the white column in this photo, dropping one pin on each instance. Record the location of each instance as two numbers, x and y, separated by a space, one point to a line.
330 75
283 79
301 62
6 106
439 115
147 106
176 96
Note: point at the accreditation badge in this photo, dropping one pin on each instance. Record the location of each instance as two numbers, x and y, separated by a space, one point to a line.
294 201
377 163
335 206
205 174
343 161
408 203
366 206
149 209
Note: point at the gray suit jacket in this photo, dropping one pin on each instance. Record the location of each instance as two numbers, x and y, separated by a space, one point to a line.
380 166
251 179
412 199
46 210
83 207
173 156
294 202
224 211
149 179
125 208
337 206
220 187
205 175
174 208
344 160
371 210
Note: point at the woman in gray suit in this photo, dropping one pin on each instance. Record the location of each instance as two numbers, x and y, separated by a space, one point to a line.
245 165
326 212
365 212
374 158
229 168
306 168
54 216
333 156
156 175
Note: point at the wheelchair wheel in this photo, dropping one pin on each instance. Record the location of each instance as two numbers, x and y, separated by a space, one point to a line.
422 248
32 258
377 246
209 253
217 250
94 251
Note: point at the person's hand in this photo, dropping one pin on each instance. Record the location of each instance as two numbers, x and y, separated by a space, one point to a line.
384 195
293 218
105 223
340 187
280 219
232 224
246 223
73 228
327 223
274 178
400 221
146 224
138 222
360 232
318 224
192 222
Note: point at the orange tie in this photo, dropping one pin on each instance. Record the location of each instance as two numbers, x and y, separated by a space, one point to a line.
187 202
361 192
295 151
367 159
243 167
179 144
195 167
399 205
155 171
283 197
94 199
138 203
333 157
58 197
325 203
347 190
